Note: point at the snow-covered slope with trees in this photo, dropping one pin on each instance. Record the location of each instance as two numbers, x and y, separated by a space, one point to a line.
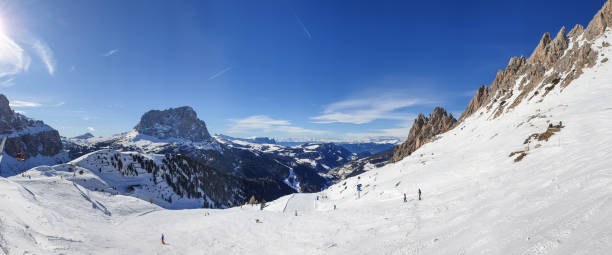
307 164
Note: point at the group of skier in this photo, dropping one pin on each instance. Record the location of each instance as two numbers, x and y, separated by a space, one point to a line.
406 199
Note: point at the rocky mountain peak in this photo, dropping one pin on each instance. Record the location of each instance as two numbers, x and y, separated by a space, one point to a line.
423 130
548 51
181 122
27 137
576 31
5 109
541 48
601 21
11 121
553 63
482 94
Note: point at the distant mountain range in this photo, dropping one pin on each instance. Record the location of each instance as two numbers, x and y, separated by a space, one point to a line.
177 132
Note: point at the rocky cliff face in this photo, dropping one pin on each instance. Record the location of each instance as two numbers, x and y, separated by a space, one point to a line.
38 142
424 130
553 64
179 122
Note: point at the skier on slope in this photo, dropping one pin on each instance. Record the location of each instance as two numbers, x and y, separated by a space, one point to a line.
162 239
419 194
405 200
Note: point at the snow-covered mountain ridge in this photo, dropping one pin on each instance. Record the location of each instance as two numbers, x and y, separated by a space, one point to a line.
303 168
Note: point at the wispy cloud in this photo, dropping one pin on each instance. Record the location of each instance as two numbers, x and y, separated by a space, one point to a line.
262 123
13 59
91 129
111 52
22 104
216 75
7 82
30 104
304 28
46 55
367 109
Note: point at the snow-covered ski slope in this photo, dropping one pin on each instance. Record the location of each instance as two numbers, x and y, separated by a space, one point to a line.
476 198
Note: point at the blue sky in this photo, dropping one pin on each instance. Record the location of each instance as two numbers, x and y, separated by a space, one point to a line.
332 69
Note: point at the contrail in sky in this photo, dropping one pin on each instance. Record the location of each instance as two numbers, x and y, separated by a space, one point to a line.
220 73
303 26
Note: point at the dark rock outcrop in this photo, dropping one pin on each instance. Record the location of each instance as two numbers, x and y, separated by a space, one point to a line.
179 122
423 131
25 135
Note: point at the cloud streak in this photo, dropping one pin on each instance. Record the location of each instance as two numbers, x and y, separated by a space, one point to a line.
23 104
266 124
46 55
29 104
304 28
111 52
218 74
7 82
13 59
366 110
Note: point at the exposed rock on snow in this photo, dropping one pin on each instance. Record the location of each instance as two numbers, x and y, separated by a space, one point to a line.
424 130
179 122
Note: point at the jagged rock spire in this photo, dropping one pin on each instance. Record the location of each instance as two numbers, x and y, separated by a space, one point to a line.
424 130
576 31
549 59
600 21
